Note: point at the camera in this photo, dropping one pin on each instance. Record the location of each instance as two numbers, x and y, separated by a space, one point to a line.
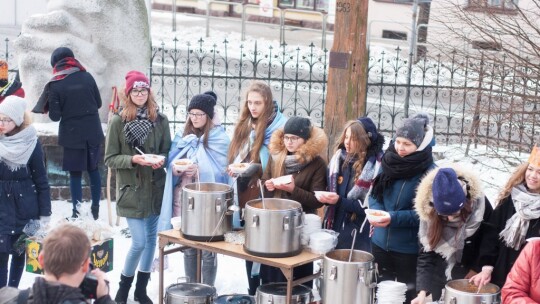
89 285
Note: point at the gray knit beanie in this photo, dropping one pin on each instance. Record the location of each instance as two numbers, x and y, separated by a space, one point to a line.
414 128
14 107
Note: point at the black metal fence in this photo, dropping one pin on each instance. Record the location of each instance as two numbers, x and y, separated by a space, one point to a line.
471 99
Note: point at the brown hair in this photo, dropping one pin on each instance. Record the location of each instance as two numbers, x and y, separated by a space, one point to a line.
518 177
64 250
243 127
361 139
436 222
129 111
190 129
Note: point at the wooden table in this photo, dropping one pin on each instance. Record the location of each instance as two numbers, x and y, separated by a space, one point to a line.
285 264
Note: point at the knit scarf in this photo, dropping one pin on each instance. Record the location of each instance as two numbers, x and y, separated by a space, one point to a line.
61 70
136 131
395 167
527 207
292 164
454 234
15 150
361 186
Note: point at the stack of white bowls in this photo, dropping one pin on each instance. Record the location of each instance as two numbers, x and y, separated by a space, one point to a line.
391 292
323 241
312 223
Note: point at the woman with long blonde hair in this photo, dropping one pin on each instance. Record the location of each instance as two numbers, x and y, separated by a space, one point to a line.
515 219
259 118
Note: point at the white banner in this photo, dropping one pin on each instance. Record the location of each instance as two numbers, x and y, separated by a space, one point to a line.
266 8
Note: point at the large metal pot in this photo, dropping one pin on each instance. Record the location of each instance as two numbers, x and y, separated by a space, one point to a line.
205 215
347 282
190 293
273 227
463 292
276 293
235 299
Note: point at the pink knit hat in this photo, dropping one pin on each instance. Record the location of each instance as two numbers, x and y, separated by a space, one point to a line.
136 79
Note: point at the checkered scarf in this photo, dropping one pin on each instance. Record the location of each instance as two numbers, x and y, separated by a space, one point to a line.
137 130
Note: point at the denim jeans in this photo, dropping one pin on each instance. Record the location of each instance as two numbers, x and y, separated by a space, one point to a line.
208 266
143 243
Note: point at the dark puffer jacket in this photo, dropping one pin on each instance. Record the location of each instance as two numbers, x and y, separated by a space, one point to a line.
24 193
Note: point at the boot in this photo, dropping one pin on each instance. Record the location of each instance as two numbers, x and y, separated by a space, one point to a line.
140 288
123 291
75 214
95 212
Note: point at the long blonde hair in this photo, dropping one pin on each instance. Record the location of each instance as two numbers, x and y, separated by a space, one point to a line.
361 139
518 177
129 111
243 127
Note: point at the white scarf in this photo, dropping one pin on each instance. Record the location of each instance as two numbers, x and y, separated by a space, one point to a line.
15 150
527 207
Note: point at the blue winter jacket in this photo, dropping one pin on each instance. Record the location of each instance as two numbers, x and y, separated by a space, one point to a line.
24 194
402 233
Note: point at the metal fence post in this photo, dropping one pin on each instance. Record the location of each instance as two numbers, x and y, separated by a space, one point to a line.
173 7
243 21
208 19
325 17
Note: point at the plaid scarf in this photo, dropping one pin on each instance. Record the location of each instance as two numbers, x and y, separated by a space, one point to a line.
527 207
361 186
137 130
61 70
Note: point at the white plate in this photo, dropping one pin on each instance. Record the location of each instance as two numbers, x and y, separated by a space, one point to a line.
182 164
239 168
153 158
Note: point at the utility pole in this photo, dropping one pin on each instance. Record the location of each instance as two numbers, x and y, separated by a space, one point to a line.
347 75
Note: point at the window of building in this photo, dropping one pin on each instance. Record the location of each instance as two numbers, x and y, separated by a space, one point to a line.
493 5
394 35
318 5
486 46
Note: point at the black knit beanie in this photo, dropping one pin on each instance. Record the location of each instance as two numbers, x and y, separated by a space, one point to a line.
59 54
299 126
204 102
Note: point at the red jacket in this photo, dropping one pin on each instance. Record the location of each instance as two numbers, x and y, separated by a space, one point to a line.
523 282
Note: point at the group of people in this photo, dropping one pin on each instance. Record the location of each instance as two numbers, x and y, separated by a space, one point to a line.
437 224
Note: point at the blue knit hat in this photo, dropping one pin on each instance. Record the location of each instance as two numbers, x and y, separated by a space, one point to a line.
370 128
448 193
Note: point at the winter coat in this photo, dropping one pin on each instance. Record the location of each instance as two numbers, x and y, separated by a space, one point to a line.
431 266
493 251
139 189
24 193
44 292
310 178
523 282
74 101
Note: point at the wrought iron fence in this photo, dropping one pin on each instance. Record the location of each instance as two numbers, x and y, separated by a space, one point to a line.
296 75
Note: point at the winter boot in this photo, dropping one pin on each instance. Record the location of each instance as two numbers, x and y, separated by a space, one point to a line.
95 212
75 214
140 288
123 291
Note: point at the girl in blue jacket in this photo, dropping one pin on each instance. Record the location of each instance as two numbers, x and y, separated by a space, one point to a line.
24 188
395 238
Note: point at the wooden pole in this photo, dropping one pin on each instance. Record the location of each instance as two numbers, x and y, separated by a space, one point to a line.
347 75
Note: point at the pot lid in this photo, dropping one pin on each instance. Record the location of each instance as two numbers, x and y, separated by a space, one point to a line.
235 299
280 289
191 289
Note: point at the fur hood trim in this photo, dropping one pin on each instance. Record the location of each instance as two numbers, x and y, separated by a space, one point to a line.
424 193
314 146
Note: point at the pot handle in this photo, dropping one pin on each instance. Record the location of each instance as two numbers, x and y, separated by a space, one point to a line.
255 221
218 204
333 273
453 300
286 223
191 203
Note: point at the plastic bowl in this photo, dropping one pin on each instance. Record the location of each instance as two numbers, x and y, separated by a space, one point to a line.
376 215
282 180
153 158
182 164
176 222
239 168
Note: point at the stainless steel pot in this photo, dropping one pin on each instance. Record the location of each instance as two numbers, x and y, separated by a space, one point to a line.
235 299
273 227
205 215
276 293
463 292
347 282
190 293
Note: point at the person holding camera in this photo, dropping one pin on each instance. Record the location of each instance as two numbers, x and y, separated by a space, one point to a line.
66 265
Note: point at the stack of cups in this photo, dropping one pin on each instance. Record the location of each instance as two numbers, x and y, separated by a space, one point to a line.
312 223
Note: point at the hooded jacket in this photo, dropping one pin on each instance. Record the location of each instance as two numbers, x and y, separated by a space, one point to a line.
307 180
430 270
523 282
